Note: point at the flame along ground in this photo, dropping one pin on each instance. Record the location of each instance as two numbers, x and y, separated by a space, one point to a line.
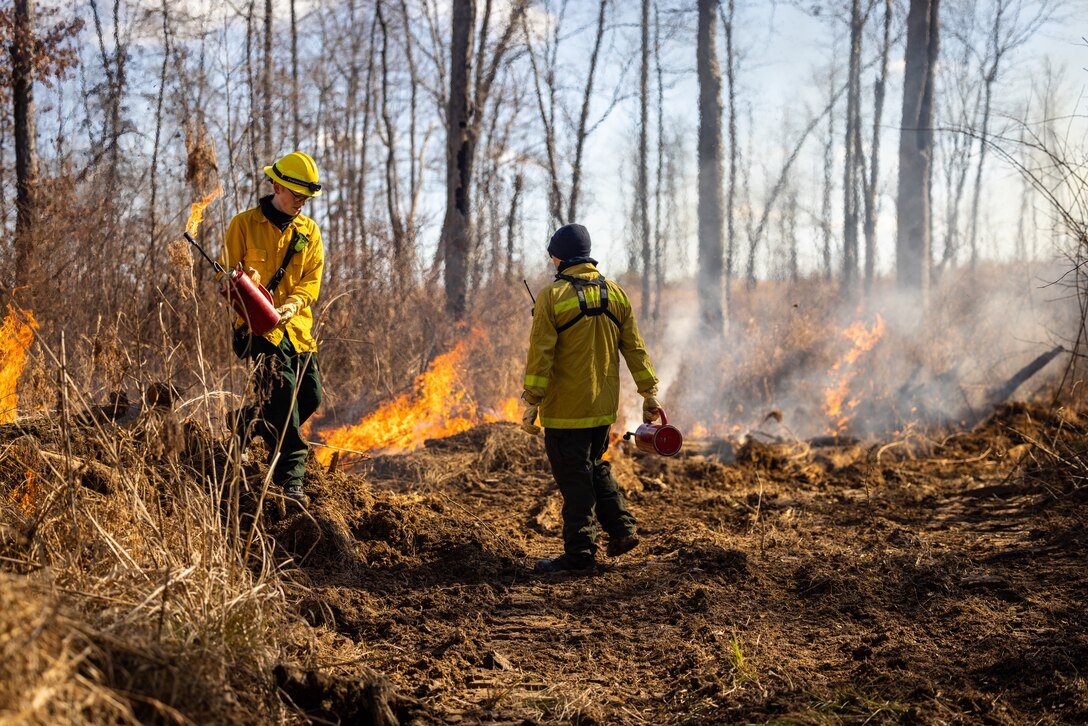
838 403
439 405
18 332
26 494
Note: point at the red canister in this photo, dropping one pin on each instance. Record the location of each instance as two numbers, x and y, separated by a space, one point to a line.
252 302
663 439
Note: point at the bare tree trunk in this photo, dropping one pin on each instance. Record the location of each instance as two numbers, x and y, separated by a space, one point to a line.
460 149
850 165
464 116
512 225
983 145
113 65
296 137
256 123
755 233
873 181
364 159
731 188
415 171
583 119
26 151
916 147
392 180
266 86
710 173
641 187
956 160
1026 191
828 183
152 211
546 107
660 241
1007 33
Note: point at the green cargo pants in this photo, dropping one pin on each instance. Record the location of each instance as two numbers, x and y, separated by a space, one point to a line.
281 371
587 486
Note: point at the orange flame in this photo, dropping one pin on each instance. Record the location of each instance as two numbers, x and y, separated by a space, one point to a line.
26 494
196 216
838 405
17 332
510 409
438 406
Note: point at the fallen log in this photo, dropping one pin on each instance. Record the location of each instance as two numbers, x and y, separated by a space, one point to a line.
998 395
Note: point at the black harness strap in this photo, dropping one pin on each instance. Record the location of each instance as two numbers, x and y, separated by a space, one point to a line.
584 309
291 249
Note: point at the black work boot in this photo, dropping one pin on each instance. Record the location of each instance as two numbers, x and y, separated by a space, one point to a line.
621 545
295 493
566 563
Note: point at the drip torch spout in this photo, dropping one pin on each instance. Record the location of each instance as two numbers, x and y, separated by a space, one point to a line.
215 265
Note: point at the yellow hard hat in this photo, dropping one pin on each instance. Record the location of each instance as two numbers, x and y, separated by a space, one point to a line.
297 172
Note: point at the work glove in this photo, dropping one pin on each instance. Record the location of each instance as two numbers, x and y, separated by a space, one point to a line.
254 275
651 408
289 309
528 419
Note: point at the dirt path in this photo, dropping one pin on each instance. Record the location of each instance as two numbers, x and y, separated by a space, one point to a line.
790 584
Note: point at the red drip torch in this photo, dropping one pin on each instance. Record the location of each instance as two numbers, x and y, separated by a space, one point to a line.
252 301
663 439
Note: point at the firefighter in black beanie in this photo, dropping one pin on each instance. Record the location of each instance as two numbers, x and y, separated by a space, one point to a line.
582 324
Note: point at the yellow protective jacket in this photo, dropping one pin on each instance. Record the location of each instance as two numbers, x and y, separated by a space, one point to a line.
574 374
257 243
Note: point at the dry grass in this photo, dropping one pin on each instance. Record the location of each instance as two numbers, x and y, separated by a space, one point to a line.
127 535
126 593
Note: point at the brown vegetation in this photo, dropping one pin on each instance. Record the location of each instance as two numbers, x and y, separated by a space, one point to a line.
148 575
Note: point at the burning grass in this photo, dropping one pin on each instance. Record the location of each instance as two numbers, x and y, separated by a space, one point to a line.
17 332
874 371
439 405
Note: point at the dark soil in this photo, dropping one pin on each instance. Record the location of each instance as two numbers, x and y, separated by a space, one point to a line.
936 580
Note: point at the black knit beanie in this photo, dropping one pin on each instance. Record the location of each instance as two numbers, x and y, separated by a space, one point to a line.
570 241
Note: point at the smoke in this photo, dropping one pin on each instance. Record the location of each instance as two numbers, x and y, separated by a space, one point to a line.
798 348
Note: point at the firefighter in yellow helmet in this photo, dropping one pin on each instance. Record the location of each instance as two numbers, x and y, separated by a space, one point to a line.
280 247
582 324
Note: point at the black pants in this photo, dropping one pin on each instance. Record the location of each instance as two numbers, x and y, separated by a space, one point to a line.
587 486
279 410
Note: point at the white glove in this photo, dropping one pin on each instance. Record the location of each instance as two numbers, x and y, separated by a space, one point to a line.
528 419
289 309
651 408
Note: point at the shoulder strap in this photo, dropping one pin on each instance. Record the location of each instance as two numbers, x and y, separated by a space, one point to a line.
292 248
584 310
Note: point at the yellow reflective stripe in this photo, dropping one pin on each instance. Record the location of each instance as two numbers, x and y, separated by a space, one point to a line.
565 305
644 374
577 423
615 293
535 381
